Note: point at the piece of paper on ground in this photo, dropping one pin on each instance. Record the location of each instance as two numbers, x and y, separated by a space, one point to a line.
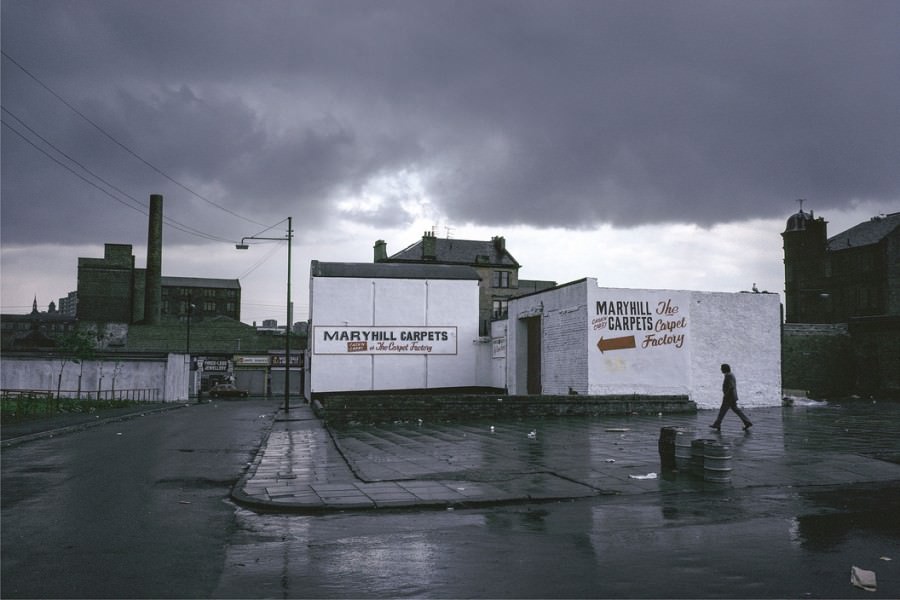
863 579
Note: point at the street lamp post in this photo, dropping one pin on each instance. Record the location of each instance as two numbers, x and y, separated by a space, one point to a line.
287 329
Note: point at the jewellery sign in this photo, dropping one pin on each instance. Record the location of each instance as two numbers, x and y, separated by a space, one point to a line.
640 335
362 339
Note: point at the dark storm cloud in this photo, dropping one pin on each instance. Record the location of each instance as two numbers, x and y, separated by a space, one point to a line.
542 113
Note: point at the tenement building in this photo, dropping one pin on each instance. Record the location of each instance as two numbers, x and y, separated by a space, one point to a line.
842 306
497 270
856 273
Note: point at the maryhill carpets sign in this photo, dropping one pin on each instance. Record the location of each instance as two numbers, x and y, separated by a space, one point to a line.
649 326
361 339
640 335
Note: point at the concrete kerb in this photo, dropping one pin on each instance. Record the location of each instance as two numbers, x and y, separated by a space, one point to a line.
81 426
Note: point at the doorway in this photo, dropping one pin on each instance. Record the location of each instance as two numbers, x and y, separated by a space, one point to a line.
533 355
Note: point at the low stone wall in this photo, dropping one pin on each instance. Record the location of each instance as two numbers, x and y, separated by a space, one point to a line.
876 350
381 408
817 358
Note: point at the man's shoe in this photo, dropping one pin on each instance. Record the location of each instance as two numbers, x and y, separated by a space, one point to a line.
716 427
748 426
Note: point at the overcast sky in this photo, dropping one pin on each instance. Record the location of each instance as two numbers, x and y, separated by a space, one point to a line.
647 144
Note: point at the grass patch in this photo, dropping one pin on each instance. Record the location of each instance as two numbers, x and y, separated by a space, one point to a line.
23 407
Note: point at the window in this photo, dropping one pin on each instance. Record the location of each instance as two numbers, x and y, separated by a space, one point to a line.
501 279
500 308
209 306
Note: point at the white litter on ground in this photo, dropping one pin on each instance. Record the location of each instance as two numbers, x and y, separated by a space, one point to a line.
647 476
863 579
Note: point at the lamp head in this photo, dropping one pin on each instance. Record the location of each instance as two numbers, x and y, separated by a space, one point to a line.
241 246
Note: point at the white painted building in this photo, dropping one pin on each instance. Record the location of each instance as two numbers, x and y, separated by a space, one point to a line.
382 326
581 338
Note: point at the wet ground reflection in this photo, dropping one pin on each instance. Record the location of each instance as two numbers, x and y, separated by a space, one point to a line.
675 537
737 544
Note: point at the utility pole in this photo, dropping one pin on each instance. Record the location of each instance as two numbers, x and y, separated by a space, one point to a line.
287 329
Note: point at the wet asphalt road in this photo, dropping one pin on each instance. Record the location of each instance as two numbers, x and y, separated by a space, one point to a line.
136 508
140 508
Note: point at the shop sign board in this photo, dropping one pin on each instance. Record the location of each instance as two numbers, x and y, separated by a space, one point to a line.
397 340
215 365
498 347
277 360
252 361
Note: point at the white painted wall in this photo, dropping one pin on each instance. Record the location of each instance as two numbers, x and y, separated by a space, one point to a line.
743 330
395 304
563 311
168 375
648 337
654 342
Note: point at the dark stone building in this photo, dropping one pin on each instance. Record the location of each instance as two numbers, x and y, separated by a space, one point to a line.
842 306
208 297
496 267
111 289
856 273
38 330
106 286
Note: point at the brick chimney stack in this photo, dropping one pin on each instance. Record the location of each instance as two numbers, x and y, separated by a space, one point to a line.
380 250
429 246
153 283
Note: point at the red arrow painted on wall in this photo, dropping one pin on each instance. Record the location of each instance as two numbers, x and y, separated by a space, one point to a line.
619 343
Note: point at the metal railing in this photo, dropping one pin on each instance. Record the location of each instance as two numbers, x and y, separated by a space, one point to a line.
21 404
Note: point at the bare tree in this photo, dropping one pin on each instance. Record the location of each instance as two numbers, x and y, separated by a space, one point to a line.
77 347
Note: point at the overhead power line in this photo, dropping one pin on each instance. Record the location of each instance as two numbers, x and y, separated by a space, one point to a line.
123 146
68 168
260 262
142 208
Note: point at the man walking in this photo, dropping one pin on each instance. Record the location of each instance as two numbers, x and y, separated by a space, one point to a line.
729 400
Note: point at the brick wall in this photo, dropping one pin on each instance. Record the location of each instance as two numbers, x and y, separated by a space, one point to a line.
876 353
338 409
817 358
565 363
892 261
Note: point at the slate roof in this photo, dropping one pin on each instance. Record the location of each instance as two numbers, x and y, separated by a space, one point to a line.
392 270
201 282
459 252
866 233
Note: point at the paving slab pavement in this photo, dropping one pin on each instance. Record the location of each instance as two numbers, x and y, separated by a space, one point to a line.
305 467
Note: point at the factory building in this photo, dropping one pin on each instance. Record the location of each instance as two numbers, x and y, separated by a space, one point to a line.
111 289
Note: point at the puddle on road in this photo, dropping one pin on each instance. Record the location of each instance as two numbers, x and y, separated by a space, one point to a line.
696 545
